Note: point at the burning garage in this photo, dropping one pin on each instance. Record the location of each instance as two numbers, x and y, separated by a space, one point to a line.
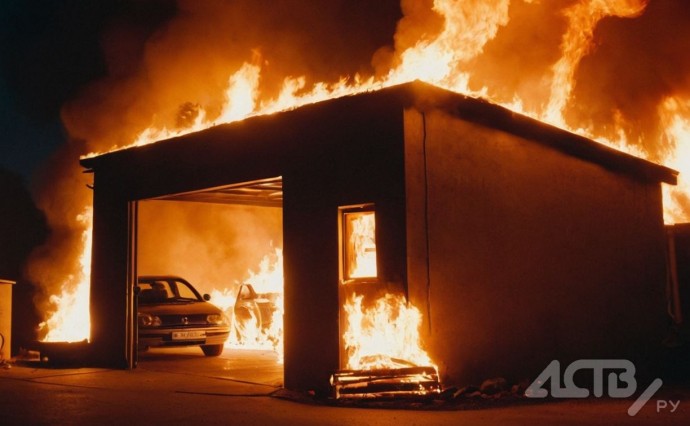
412 218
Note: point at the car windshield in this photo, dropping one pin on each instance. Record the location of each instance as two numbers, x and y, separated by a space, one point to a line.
166 291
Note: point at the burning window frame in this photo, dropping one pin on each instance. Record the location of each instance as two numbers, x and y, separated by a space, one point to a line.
345 247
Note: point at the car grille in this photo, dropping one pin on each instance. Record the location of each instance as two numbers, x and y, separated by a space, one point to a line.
183 320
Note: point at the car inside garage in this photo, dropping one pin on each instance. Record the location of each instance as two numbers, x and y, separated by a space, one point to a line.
209 287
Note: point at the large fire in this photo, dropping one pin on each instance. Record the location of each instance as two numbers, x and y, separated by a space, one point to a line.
70 320
385 335
445 58
267 282
445 61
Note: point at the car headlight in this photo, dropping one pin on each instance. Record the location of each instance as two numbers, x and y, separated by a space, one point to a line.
146 320
215 319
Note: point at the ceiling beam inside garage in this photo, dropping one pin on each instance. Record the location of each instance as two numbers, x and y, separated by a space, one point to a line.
264 192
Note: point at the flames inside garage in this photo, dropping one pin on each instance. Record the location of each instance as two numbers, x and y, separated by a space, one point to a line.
227 243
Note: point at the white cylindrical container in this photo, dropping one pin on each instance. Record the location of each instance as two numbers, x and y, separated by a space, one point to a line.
5 319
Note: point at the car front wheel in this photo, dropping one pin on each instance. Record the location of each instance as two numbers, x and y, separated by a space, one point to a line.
212 350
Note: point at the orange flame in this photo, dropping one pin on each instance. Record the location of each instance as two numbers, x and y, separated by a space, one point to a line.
444 61
71 322
267 280
362 244
383 336
676 115
577 40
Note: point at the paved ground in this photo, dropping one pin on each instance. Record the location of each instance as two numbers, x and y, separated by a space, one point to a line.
240 387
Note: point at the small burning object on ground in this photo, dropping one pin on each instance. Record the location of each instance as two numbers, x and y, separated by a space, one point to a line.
404 380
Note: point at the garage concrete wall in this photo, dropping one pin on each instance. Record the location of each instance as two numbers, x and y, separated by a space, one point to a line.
357 157
533 255
112 275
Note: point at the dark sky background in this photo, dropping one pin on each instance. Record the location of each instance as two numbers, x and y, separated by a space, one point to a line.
48 51
51 51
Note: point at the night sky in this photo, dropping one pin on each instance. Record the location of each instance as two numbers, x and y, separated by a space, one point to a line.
49 50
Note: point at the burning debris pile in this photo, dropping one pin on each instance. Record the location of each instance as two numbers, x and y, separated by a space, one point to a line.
384 355
493 392
403 382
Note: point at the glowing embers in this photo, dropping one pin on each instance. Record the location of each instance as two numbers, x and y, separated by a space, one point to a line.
384 353
358 243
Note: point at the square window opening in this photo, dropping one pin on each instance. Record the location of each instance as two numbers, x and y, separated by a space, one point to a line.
358 243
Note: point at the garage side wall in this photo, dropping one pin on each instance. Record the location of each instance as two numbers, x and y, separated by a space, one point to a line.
111 276
519 254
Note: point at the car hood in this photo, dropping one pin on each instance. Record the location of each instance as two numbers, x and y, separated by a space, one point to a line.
180 308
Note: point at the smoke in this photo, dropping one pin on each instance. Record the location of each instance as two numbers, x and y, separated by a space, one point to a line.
420 23
214 246
517 62
62 195
189 60
634 67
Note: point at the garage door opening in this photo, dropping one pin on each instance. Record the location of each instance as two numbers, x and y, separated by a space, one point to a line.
227 243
